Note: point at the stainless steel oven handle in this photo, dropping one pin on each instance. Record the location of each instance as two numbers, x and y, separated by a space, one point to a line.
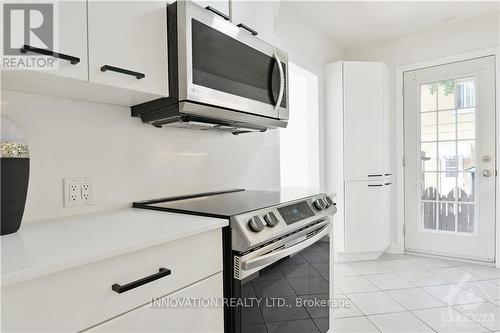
282 81
275 256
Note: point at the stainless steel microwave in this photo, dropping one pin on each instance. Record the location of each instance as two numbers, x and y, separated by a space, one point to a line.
221 76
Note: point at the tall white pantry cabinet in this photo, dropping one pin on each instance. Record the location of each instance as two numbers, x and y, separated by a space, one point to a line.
358 159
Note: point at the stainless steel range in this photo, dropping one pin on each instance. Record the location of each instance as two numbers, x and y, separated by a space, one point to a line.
276 247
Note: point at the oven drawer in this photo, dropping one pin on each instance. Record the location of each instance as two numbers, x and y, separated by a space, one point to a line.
79 298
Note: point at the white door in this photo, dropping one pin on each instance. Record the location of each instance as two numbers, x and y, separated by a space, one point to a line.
449 113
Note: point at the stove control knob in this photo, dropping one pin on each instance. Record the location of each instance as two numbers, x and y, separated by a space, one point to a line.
329 201
271 219
255 224
319 204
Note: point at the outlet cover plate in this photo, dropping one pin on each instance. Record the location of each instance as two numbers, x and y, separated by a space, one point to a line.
78 191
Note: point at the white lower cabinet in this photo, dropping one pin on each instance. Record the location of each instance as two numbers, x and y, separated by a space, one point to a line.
169 316
82 297
365 226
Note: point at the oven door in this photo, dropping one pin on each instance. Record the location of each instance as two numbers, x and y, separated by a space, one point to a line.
287 286
222 65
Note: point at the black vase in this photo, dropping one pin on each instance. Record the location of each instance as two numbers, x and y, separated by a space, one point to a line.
15 170
14 184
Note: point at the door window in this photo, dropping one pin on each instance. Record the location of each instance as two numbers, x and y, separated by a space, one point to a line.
448 155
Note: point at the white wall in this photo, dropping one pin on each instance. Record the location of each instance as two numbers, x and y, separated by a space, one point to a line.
299 141
309 49
304 45
129 160
454 38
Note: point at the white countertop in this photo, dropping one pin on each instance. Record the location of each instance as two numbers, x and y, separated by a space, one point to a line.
63 243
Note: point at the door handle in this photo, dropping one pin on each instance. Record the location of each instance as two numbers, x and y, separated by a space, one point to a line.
215 11
123 71
277 255
162 272
282 81
29 48
487 173
247 28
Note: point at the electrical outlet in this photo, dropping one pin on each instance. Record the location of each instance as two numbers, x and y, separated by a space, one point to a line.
78 191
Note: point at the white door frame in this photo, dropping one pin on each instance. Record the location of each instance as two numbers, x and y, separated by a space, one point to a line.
400 190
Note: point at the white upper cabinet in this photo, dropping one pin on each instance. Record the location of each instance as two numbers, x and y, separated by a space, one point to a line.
257 15
128 45
221 6
69 40
363 120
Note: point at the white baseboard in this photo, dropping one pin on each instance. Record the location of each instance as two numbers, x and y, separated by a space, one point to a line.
342 257
394 249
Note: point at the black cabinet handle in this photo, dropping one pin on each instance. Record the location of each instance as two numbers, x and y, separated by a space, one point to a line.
375 185
123 71
372 175
387 183
247 28
71 59
388 174
121 289
215 11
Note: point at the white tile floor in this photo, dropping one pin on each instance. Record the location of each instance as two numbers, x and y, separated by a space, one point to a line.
400 293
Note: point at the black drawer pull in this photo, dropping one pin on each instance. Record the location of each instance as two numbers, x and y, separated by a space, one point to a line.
247 28
121 289
71 59
373 175
375 185
388 174
123 71
387 183
215 11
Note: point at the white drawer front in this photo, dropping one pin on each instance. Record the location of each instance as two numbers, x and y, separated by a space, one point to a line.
79 298
174 319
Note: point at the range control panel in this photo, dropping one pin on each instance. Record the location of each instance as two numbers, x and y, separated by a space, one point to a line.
261 226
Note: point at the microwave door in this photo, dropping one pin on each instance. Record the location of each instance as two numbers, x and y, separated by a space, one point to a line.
225 66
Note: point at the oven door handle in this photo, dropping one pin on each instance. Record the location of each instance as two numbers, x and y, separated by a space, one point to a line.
275 256
282 81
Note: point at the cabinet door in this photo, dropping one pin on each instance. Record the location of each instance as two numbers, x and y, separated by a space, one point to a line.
364 216
69 38
258 15
220 5
130 36
387 123
363 120
174 318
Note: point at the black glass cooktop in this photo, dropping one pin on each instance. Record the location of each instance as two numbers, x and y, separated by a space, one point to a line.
224 204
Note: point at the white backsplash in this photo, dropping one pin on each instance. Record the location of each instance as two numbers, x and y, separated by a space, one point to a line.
129 160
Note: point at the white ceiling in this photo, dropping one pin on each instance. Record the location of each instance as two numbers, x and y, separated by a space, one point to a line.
353 23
